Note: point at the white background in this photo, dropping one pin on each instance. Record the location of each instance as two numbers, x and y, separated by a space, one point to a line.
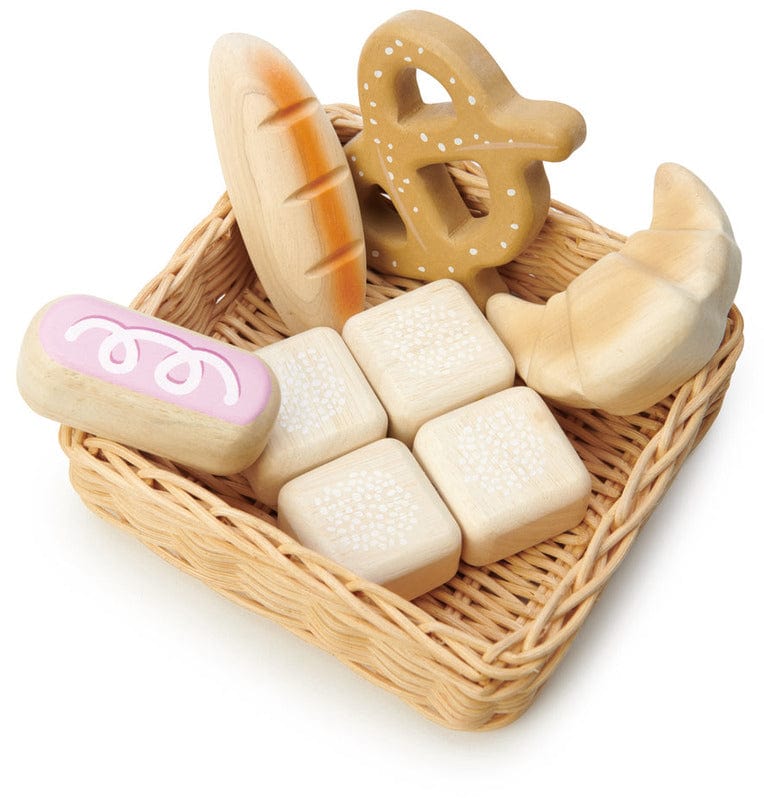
122 677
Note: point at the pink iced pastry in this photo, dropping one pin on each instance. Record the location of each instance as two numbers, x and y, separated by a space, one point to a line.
147 383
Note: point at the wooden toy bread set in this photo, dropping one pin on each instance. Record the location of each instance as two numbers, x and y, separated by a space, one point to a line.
335 438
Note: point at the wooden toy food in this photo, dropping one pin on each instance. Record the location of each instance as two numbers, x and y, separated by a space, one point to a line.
289 184
475 651
146 383
415 220
375 512
507 472
427 352
640 322
327 409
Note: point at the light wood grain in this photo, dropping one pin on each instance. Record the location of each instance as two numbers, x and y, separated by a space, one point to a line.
507 472
289 184
375 512
415 220
640 322
63 379
427 352
327 409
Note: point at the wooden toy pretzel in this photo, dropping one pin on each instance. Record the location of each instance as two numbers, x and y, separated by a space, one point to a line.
415 222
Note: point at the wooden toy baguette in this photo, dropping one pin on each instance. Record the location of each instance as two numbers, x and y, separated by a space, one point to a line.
289 184
147 383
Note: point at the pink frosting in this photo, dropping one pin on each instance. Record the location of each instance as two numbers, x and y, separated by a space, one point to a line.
154 358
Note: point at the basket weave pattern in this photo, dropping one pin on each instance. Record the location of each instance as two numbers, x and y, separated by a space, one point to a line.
473 653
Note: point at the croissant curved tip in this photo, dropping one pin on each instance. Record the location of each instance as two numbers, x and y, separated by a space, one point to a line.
683 202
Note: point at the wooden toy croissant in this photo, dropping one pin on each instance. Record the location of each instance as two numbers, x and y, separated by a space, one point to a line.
639 322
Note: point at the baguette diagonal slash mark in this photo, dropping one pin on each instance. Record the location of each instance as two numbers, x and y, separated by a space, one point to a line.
290 115
337 259
323 183
182 355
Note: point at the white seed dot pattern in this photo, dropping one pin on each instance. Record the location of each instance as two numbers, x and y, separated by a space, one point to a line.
366 511
430 341
500 453
312 392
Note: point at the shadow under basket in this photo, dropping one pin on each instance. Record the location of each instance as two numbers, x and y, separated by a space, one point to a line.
473 653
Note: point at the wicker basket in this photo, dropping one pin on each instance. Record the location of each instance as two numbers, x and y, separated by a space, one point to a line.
473 653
